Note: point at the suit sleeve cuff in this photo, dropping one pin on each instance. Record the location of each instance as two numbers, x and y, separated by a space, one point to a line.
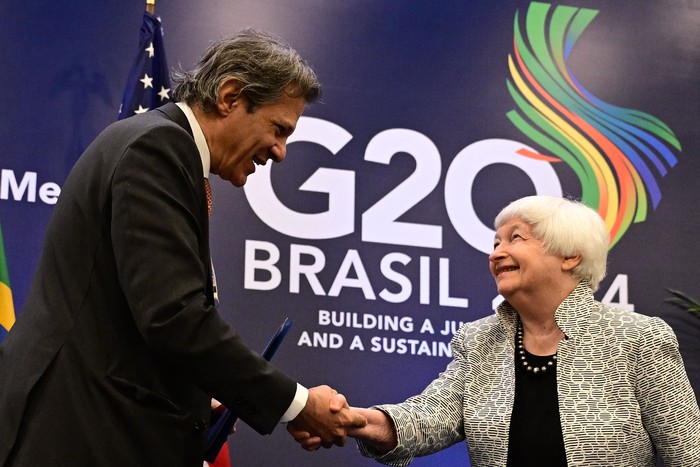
297 405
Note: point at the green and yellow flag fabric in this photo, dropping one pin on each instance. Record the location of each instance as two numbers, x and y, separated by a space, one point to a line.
7 307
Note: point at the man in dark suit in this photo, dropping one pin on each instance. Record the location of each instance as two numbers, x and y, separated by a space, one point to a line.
119 349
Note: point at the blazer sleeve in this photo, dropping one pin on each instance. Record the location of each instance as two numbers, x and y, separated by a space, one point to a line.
432 420
159 229
669 409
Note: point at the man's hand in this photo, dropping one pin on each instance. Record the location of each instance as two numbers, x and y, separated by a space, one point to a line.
325 420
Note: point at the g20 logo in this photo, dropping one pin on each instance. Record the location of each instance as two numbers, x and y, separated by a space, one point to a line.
379 222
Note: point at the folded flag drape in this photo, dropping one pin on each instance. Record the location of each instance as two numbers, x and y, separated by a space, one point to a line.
7 307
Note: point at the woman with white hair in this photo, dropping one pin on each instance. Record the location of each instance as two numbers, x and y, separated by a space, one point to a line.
554 378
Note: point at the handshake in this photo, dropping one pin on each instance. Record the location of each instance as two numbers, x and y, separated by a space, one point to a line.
328 420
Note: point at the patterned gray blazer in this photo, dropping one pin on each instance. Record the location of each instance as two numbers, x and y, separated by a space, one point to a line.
623 392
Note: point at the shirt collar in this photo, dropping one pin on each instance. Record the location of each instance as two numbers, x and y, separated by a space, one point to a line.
571 314
199 139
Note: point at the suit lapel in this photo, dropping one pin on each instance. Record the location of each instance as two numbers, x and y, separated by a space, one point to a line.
173 112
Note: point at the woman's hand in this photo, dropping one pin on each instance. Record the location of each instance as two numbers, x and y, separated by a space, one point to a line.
379 432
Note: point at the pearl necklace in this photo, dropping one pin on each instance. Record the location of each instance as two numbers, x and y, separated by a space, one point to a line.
521 351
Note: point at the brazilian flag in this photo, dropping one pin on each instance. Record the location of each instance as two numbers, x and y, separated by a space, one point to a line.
7 307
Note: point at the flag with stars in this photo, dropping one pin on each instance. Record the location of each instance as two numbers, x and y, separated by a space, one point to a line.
148 85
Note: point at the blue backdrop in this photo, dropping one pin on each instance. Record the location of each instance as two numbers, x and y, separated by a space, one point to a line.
372 236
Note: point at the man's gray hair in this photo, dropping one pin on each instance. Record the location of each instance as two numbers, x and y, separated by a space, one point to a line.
265 65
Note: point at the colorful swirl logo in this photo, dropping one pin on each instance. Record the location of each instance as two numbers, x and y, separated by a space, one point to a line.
616 153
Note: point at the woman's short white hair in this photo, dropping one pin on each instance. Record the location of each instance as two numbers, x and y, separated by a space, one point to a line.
566 228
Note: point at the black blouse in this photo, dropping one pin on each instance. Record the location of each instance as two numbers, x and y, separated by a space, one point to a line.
535 438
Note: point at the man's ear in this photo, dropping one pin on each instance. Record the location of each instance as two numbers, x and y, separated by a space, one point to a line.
570 262
229 95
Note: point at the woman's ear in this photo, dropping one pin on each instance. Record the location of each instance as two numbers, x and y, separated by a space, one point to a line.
570 262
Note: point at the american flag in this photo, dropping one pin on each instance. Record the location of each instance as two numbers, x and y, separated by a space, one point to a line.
148 85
